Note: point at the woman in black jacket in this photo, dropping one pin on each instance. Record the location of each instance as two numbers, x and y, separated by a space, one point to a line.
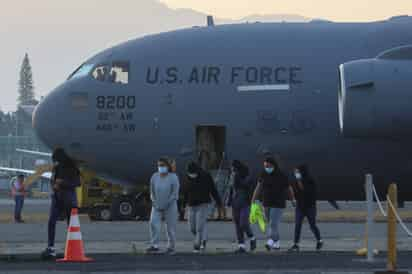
240 197
305 193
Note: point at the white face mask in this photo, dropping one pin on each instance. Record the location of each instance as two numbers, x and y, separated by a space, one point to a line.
192 175
298 176
163 170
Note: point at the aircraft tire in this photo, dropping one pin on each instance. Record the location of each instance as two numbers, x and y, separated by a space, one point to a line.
104 214
143 207
123 208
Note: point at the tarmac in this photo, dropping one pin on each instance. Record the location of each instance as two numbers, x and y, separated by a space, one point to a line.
118 247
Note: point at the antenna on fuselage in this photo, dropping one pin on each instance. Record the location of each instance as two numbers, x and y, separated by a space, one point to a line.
210 21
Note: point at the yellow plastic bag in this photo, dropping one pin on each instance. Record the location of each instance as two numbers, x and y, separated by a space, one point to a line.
257 216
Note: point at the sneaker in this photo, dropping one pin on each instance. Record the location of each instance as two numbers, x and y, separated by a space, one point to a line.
170 251
240 250
269 245
294 248
276 245
49 254
196 248
319 245
203 246
253 244
152 250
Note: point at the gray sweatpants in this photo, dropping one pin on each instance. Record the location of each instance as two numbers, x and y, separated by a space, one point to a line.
274 216
169 216
198 222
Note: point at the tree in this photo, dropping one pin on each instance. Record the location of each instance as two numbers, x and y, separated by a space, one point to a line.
26 87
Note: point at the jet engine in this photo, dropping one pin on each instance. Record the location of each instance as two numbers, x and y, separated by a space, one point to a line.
375 95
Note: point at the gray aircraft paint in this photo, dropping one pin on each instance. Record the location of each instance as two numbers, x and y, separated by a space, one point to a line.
194 77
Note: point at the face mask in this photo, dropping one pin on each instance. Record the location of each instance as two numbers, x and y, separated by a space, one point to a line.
298 176
192 175
163 170
269 170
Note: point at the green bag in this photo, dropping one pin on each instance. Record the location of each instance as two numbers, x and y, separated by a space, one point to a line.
257 216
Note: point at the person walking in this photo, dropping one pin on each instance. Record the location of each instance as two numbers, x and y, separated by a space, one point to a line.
198 191
164 193
18 193
305 191
65 179
273 185
239 198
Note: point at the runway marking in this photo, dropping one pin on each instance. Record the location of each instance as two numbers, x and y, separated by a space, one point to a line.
254 88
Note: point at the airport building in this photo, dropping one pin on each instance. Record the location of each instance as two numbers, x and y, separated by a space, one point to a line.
17 133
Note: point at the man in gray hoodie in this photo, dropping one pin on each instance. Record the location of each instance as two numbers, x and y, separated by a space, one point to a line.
164 193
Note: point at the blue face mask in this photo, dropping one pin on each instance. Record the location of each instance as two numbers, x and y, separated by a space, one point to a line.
269 170
163 169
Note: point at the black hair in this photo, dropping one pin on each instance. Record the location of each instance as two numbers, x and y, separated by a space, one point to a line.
192 167
241 168
60 156
20 176
165 161
272 161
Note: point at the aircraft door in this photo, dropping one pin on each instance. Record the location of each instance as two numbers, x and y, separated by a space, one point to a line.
210 146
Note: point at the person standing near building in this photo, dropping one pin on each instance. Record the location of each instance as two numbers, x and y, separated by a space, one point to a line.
65 179
239 198
273 185
18 193
305 191
164 193
198 191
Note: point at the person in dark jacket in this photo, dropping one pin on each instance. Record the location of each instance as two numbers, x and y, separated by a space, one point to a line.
65 179
305 192
198 191
239 198
274 186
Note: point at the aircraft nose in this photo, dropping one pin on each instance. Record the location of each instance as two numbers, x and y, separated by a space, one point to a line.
48 120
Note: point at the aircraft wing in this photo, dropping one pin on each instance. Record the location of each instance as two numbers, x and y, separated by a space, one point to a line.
33 152
45 175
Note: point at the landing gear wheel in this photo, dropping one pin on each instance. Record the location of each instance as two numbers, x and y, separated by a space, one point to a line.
143 207
105 214
124 208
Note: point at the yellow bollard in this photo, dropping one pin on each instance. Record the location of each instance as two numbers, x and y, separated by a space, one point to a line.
392 251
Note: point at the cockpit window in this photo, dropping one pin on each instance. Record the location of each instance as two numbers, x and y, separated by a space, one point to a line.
83 70
119 73
100 73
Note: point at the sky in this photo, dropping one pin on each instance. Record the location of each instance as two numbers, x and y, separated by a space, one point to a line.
60 35
336 10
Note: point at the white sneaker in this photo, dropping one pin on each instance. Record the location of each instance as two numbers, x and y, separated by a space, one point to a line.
269 245
276 245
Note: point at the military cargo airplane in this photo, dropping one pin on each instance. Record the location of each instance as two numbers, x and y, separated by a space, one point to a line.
333 95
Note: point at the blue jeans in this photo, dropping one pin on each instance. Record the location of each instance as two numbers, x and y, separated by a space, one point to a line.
18 207
274 215
61 203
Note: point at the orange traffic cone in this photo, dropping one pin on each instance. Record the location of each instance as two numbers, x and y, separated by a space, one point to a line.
74 251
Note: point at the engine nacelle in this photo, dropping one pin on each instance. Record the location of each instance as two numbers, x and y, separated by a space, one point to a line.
375 95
